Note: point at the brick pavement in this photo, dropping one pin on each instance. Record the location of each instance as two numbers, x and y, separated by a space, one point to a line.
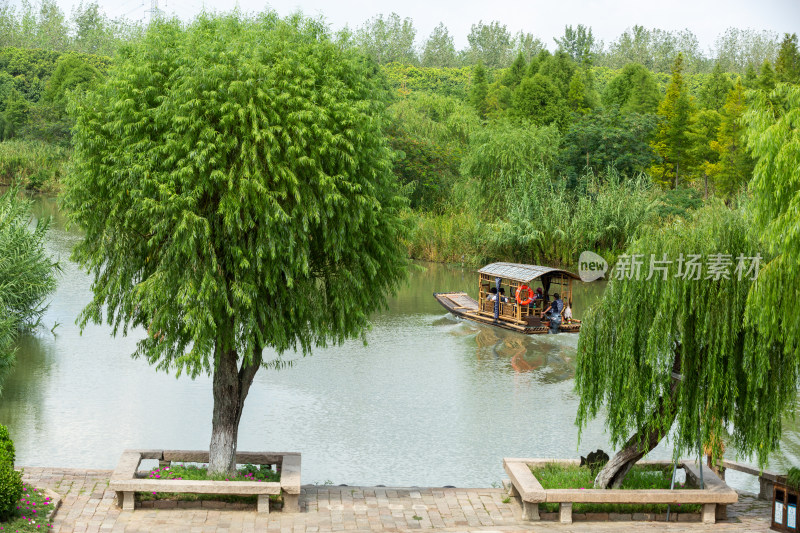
89 506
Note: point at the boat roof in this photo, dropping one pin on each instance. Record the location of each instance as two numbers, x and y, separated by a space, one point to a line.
520 272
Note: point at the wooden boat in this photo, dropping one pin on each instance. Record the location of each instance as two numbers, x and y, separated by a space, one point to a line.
510 312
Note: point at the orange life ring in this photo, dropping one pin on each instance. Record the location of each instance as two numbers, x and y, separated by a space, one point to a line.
530 295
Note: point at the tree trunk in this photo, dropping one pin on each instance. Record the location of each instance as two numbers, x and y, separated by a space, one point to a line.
613 473
231 385
676 175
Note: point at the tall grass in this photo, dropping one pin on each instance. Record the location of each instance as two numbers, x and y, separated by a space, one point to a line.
32 164
540 221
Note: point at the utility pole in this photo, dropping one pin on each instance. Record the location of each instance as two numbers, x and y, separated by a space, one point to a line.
154 11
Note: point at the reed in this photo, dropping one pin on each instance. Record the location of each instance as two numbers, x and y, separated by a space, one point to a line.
32 164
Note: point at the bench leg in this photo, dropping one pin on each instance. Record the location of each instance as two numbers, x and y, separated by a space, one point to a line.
565 511
709 513
530 511
291 503
722 512
263 503
512 491
128 503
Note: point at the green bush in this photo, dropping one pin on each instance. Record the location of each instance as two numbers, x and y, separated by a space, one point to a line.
7 454
10 490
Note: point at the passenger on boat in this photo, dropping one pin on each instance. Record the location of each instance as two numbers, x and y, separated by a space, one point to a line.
492 294
553 312
503 295
539 294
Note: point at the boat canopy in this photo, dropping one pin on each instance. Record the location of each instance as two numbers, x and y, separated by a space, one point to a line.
522 273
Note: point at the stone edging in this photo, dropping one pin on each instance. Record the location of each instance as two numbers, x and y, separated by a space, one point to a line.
126 483
55 502
524 484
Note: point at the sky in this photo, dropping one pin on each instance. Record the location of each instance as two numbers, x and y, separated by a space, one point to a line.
545 19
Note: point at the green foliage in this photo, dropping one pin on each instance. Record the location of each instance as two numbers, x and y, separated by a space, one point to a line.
430 169
579 44
224 169
766 77
559 69
388 40
27 275
406 79
439 51
633 90
734 166
246 472
10 491
740 50
10 481
607 140
773 139
787 65
793 478
543 221
538 100
489 44
703 134
32 164
515 72
715 90
672 141
654 48
581 96
502 154
630 339
680 202
560 476
479 90
7 453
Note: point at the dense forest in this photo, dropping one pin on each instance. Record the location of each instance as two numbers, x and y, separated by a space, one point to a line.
511 148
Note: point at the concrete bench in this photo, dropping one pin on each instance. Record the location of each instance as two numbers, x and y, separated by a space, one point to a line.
125 482
714 497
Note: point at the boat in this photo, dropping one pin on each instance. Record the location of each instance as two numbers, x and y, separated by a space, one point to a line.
519 310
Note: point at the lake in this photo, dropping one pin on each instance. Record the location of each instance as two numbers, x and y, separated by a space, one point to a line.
430 400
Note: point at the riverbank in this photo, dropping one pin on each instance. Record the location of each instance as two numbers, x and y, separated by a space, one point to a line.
89 505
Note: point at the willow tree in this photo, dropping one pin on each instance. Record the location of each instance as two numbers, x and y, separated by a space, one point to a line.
674 350
702 356
236 193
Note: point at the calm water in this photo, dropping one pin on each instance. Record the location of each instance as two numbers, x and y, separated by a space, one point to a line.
430 401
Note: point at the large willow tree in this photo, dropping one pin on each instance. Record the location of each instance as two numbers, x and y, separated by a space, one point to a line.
236 193
702 357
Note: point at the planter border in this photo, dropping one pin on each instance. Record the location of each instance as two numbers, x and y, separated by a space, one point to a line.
714 498
125 482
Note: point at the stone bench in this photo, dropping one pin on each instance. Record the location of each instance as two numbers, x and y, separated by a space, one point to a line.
126 482
524 484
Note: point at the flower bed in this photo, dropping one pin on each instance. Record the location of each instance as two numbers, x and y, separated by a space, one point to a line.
127 482
712 499
35 509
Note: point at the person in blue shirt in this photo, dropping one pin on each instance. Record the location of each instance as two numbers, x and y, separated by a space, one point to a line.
554 313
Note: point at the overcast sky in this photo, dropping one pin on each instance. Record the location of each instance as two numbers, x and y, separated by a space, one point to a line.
545 19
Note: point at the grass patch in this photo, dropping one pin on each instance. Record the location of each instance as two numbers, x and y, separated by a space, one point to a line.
194 472
561 476
31 512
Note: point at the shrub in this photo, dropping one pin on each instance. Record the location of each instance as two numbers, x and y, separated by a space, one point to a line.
10 490
7 454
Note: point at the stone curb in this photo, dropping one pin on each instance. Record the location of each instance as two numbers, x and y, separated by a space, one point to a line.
55 502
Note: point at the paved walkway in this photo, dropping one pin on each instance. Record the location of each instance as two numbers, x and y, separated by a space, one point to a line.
89 506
